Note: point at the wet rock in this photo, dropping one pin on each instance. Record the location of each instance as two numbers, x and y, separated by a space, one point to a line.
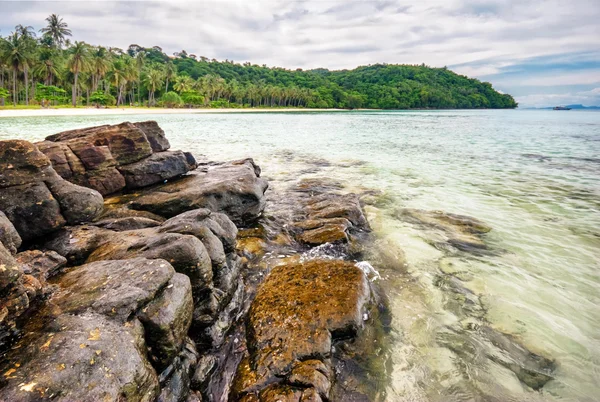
337 206
155 169
114 288
84 357
327 233
155 135
298 312
205 367
280 393
41 264
9 236
175 379
167 320
311 374
233 188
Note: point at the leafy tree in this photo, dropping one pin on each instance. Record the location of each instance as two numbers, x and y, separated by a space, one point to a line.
171 99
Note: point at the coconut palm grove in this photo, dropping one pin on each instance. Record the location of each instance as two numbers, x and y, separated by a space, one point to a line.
46 67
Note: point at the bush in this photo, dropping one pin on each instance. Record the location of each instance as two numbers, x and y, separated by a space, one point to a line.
171 99
101 98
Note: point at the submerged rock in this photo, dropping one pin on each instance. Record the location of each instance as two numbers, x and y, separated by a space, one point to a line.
464 232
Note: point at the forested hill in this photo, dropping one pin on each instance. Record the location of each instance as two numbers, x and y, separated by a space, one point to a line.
44 67
385 86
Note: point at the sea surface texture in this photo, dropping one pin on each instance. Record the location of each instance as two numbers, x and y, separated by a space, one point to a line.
532 176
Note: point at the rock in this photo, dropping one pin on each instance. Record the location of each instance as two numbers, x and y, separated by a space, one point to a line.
154 134
32 209
77 204
311 373
175 379
9 236
64 161
280 393
155 169
110 158
297 313
124 142
85 357
42 265
233 188
35 199
328 233
167 320
205 367
337 206
114 288
14 296
186 253
21 163
128 223
76 243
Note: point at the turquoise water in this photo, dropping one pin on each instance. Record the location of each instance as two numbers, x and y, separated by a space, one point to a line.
533 176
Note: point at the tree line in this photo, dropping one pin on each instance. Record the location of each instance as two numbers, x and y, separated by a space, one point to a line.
47 68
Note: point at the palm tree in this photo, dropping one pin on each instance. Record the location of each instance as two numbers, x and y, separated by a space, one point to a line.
183 83
78 61
140 61
56 29
153 80
100 65
16 53
170 71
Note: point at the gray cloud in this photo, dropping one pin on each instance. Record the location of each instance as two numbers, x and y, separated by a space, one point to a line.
481 38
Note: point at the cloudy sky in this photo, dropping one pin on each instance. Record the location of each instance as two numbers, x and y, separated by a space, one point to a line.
543 52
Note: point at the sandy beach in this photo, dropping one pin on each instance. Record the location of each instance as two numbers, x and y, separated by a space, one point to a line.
131 111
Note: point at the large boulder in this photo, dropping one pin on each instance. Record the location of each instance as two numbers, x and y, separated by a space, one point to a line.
34 198
234 188
110 158
86 357
298 312
156 168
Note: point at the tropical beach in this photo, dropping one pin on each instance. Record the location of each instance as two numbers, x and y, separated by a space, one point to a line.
242 249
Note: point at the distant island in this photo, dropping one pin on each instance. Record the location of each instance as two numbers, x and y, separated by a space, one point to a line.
575 107
50 70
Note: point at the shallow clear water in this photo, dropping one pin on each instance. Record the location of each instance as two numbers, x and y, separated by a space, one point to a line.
533 176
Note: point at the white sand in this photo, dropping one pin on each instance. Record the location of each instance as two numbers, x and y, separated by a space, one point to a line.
128 111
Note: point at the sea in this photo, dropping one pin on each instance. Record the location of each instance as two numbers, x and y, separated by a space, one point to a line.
533 176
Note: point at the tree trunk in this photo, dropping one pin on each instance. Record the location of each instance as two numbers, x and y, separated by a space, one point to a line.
15 87
26 87
74 91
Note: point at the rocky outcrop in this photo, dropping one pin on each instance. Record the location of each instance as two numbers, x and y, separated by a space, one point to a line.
34 198
111 158
234 188
197 243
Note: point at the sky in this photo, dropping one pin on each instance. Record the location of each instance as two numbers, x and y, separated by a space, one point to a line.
543 52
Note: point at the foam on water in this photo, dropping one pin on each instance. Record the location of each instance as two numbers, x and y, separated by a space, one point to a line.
533 176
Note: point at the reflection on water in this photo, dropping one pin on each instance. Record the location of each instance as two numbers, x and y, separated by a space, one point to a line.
493 325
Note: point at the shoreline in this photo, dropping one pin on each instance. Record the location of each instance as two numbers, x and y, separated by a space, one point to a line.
132 111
